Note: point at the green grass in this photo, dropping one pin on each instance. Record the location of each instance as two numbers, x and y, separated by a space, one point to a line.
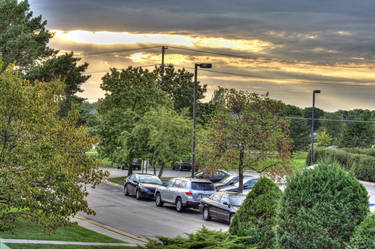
27 230
39 246
299 161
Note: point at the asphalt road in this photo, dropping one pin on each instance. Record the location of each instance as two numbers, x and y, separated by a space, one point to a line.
143 218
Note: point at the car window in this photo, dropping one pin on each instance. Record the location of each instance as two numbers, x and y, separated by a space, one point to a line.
216 197
250 183
170 183
225 198
179 183
236 200
202 186
150 179
219 173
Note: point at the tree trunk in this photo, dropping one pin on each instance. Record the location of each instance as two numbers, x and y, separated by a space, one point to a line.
130 168
161 170
153 162
240 171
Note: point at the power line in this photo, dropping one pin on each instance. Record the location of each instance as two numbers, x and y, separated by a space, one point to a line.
333 120
123 50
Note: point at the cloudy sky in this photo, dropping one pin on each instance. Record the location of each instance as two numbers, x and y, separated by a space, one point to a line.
287 47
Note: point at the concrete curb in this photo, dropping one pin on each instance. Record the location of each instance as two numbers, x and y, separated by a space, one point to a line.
129 235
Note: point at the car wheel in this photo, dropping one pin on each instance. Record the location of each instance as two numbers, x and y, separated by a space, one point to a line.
126 191
179 206
158 200
138 195
206 214
231 218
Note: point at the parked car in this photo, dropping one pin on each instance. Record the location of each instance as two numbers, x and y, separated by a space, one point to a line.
184 164
184 192
216 177
229 181
141 185
248 183
221 205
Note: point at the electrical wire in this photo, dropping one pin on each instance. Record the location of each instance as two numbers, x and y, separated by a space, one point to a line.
332 120
123 50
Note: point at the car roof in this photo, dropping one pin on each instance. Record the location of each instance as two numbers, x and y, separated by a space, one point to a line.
193 179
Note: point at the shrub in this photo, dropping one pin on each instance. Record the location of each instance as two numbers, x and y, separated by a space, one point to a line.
204 238
257 215
364 234
363 164
320 208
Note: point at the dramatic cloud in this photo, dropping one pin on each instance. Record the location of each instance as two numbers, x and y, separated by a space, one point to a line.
287 48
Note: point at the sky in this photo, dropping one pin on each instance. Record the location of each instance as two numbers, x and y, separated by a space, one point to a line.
287 48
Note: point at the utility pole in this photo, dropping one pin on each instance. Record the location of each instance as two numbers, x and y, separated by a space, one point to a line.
312 127
163 48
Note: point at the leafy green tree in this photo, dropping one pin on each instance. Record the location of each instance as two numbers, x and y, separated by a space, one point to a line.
43 162
359 134
334 128
23 38
324 139
161 135
299 128
318 113
179 86
257 215
320 208
247 132
88 116
129 94
66 69
364 234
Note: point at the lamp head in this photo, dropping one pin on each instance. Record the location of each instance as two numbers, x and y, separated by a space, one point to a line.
205 65
316 91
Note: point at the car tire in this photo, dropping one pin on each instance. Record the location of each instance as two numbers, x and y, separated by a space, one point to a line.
126 191
179 206
231 218
206 214
158 201
138 195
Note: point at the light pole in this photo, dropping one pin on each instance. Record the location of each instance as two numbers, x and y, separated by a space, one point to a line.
312 127
201 65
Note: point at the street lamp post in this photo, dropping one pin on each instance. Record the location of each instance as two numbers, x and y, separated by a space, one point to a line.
312 127
201 65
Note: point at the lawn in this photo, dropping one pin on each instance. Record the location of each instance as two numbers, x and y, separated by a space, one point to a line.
26 230
298 161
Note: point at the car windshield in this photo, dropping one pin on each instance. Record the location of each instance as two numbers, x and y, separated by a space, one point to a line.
202 186
236 200
227 179
150 179
246 181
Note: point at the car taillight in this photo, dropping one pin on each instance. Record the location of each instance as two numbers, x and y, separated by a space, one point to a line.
188 193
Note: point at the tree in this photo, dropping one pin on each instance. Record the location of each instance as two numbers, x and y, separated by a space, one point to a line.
161 135
334 128
320 208
358 134
66 69
324 139
257 215
23 38
179 86
247 132
43 162
299 128
318 113
129 94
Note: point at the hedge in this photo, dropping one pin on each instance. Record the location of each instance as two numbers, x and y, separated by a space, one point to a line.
363 165
368 152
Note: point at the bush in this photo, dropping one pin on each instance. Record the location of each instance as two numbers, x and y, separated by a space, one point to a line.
204 238
257 215
320 208
364 234
363 165
368 152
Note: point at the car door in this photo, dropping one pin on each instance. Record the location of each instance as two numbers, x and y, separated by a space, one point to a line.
223 208
166 192
132 184
213 202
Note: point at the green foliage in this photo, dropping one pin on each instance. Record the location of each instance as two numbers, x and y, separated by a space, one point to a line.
364 234
204 238
43 164
179 86
320 208
324 139
333 128
247 132
363 165
257 215
363 151
359 134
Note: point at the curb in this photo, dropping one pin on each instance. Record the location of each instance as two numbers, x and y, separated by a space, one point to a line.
110 183
129 235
